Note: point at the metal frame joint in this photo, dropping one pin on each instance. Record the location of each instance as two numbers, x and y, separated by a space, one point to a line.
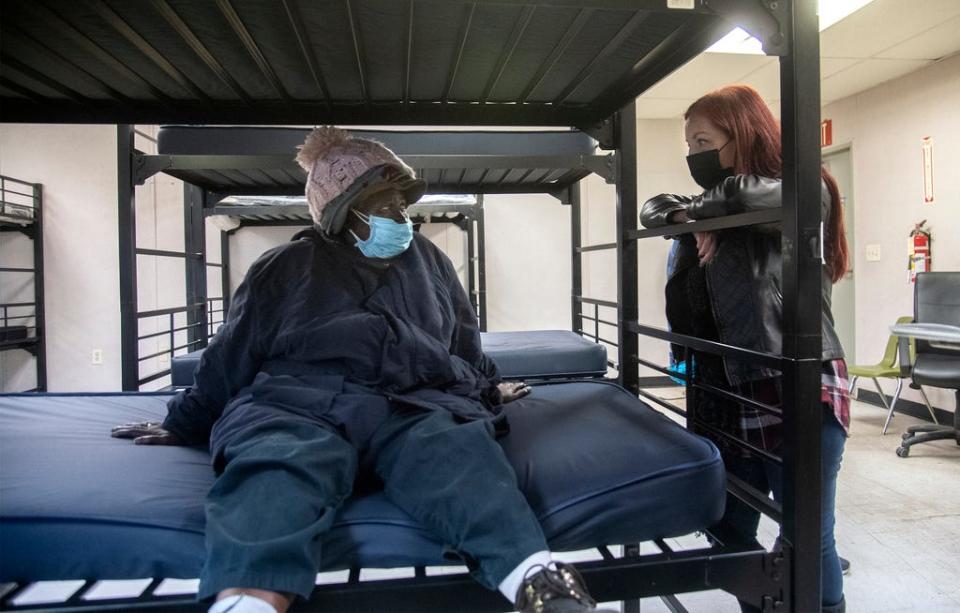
145 166
603 132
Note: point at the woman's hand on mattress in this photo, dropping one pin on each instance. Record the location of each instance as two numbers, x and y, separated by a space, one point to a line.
706 246
512 390
147 433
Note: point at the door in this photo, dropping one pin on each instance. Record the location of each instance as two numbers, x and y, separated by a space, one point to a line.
840 166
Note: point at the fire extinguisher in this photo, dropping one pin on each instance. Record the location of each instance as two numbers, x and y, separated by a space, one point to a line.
918 248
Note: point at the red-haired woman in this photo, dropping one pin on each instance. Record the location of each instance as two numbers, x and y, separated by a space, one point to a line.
726 286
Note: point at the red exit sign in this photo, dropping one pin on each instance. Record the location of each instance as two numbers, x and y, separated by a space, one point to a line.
826 132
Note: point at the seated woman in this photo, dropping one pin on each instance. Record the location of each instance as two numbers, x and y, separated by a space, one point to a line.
352 350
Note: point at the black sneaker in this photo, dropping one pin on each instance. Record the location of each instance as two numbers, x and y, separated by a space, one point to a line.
556 588
844 566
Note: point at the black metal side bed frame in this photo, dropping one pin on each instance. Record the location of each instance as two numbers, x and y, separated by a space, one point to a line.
628 46
219 163
21 210
468 217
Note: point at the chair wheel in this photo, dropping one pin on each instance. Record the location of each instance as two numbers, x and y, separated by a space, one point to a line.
903 451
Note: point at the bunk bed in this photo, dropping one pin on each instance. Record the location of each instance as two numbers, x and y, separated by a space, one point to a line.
236 167
572 63
22 322
247 176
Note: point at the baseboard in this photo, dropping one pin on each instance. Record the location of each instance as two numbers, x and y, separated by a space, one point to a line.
906 407
661 381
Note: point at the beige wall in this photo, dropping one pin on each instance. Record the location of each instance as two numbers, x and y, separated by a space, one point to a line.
884 127
78 168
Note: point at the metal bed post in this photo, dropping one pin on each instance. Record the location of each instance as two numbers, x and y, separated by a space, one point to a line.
225 270
802 269
40 349
625 127
481 265
127 229
195 268
576 268
472 261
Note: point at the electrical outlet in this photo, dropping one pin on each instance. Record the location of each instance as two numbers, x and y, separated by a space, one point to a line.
164 358
96 357
873 252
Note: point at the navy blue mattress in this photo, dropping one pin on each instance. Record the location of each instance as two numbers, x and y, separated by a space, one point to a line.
598 466
519 355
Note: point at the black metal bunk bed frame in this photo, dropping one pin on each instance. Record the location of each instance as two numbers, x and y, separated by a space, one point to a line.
16 216
469 218
231 169
785 579
200 313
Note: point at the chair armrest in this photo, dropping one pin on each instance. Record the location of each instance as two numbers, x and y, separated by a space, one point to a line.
903 350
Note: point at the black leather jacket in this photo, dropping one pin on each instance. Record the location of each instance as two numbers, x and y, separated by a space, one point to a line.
744 278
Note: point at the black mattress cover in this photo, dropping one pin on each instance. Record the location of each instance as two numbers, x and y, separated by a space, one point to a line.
597 465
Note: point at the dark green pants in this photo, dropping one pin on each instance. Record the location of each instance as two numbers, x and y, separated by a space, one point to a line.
283 483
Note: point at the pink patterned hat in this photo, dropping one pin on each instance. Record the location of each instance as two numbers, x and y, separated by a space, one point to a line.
342 169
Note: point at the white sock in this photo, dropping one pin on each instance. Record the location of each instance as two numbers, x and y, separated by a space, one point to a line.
509 586
241 603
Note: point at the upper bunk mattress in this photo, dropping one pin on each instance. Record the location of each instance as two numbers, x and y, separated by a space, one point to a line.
519 355
597 465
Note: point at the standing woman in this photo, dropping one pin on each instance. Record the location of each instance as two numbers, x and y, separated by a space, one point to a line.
726 286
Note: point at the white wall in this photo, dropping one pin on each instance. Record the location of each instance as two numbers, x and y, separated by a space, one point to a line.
884 127
528 262
78 168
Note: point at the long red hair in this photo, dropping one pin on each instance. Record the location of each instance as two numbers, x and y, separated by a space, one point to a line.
740 112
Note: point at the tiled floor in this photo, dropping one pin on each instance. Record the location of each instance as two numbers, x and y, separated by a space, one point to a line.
898 524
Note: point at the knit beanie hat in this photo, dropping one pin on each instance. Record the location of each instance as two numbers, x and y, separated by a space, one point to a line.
342 169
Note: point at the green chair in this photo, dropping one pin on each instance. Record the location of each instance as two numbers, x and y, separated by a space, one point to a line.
886 369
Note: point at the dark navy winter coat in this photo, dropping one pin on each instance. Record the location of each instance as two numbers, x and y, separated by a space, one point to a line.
319 332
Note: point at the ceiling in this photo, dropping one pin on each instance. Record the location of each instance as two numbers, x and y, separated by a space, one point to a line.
884 40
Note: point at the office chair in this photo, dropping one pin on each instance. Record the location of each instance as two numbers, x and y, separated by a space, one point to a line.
936 306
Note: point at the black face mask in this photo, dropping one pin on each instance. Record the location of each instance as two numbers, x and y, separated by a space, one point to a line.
705 168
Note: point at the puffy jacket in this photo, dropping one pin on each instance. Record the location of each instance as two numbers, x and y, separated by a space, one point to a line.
745 278
317 330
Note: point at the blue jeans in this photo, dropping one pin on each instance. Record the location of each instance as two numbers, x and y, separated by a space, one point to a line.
767 477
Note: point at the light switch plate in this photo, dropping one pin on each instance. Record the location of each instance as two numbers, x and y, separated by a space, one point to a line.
873 253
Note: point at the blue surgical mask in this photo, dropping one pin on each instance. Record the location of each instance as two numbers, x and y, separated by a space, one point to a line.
387 239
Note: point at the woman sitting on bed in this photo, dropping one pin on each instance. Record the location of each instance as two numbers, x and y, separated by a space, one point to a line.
726 286
354 349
